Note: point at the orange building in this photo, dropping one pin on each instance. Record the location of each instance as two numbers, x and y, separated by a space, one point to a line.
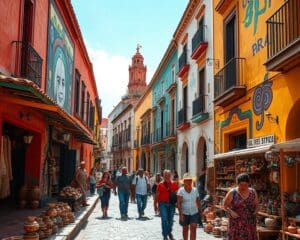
49 107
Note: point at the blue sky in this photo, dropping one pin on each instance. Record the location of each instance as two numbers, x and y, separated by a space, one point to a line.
112 29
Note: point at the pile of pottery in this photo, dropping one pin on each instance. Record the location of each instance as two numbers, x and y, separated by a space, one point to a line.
70 192
55 216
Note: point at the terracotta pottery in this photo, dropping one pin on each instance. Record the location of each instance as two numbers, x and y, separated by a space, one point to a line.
36 193
31 236
23 192
210 216
292 228
298 231
51 212
271 223
34 204
253 168
216 231
208 227
22 204
31 225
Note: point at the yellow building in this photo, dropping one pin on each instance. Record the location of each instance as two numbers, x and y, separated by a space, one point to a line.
257 93
142 131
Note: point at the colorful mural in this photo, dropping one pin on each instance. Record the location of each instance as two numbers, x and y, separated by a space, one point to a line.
261 100
60 63
253 11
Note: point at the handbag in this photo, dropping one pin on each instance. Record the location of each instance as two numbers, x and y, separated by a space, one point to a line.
100 191
172 195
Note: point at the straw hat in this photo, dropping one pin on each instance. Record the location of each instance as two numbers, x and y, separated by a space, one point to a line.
187 176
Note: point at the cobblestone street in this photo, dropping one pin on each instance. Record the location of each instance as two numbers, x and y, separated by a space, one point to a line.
114 228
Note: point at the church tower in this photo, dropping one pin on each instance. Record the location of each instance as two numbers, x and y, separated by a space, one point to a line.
137 75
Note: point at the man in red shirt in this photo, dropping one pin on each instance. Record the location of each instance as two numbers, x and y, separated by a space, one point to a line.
166 198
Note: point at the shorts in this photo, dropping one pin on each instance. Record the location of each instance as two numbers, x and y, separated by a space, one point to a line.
189 219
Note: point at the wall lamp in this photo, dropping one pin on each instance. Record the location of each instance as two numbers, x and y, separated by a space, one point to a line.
66 137
28 138
272 118
213 60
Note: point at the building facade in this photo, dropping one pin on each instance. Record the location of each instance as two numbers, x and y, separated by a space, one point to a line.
163 136
194 37
50 104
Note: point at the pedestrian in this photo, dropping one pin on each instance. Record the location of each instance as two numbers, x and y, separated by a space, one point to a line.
123 184
92 180
104 186
201 184
132 187
80 181
241 203
189 207
166 199
175 177
142 185
157 180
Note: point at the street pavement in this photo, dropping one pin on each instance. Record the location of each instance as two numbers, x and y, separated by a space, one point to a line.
114 228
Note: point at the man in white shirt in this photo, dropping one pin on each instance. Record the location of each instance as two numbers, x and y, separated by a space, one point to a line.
141 183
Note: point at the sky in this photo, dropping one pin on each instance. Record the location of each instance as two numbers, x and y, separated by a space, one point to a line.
112 29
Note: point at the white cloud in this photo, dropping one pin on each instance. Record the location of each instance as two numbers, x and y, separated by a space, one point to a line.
111 73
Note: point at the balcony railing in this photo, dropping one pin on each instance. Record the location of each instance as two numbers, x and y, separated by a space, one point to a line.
182 59
198 38
146 139
170 129
230 76
182 118
283 27
156 135
199 105
31 62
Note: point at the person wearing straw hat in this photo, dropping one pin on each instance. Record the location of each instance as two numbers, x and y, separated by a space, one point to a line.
188 206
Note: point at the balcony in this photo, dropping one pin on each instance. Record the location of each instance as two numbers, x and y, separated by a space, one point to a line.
199 44
31 62
283 34
136 144
199 111
170 132
145 140
229 82
183 65
182 120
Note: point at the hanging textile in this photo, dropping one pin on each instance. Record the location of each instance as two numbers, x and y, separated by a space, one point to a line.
5 167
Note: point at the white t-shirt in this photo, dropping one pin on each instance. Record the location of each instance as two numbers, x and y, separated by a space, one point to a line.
141 185
189 205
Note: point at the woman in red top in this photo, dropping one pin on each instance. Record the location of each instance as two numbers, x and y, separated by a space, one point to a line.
164 191
105 184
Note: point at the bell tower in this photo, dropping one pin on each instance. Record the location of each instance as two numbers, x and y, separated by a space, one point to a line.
137 74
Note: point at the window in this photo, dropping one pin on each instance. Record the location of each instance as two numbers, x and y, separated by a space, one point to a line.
92 115
173 73
238 140
82 100
162 88
77 91
185 99
87 108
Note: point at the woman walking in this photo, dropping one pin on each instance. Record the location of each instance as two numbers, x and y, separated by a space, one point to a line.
241 203
188 207
104 187
157 180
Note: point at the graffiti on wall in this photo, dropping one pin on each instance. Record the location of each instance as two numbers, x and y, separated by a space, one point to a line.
259 45
254 9
60 63
261 100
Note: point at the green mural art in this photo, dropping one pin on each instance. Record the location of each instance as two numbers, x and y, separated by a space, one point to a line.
253 11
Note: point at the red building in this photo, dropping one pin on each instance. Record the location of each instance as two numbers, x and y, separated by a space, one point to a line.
50 109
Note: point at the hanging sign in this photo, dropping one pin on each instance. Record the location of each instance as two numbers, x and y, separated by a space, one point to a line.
260 141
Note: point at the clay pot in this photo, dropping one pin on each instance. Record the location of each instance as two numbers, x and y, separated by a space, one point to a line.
208 227
271 223
292 229
22 204
31 236
23 192
34 204
210 216
51 212
253 168
31 225
216 231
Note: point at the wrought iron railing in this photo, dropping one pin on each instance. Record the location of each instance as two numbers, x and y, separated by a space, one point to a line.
283 27
157 135
231 75
198 38
146 139
182 118
199 105
182 59
31 62
170 129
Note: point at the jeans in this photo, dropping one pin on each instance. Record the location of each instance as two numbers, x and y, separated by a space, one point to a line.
141 203
167 211
92 188
123 202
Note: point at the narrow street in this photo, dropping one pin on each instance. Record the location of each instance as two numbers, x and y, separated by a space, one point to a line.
132 229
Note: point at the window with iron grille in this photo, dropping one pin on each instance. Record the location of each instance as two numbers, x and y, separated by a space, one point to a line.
77 91
87 108
82 100
92 116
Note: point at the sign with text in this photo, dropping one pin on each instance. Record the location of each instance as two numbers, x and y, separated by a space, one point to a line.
260 141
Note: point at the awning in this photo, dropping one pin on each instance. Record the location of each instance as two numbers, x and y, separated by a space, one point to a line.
243 152
27 93
292 145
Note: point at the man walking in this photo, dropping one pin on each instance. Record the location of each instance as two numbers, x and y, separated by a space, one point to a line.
123 184
166 195
142 185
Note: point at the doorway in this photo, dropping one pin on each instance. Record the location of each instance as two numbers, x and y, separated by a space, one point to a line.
184 159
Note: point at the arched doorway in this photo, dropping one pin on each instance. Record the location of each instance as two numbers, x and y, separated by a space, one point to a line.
201 156
184 159
143 161
292 123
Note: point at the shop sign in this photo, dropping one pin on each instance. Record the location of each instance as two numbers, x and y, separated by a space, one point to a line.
260 141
